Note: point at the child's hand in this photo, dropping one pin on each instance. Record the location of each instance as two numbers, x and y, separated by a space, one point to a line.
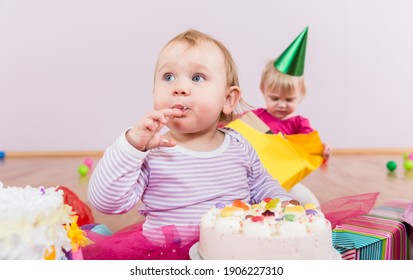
145 135
326 152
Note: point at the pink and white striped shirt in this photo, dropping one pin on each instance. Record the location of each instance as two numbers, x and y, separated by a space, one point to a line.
176 185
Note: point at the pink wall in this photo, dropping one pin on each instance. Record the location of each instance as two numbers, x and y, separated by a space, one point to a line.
75 74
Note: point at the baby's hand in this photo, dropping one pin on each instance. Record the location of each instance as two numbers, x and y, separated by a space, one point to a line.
326 152
145 135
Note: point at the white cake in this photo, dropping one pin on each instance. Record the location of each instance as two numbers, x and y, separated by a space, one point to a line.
269 230
32 223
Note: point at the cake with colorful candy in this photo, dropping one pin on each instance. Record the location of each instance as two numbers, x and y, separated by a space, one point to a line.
269 230
34 223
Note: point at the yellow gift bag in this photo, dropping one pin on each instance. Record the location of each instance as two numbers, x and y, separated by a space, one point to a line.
288 158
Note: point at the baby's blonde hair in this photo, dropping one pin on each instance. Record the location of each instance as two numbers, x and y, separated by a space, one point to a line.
192 38
274 79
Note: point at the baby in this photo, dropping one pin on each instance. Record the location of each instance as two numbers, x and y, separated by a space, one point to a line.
180 174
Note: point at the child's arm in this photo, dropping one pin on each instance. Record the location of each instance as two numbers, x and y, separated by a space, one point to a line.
117 182
119 179
262 184
269 187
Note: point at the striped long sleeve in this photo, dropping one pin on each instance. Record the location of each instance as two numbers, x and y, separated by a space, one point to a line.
176 185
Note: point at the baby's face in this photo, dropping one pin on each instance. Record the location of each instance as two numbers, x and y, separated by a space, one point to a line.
281 104
194 81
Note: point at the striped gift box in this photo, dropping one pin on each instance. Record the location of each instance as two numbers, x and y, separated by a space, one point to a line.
379 235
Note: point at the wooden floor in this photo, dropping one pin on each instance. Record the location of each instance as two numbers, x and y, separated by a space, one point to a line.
344 175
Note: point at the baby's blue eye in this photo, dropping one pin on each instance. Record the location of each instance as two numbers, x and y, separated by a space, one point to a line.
197 78
169 77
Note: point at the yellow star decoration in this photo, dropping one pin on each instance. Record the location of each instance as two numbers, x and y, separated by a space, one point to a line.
76 235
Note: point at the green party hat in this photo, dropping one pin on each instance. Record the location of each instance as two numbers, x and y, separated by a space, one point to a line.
291 61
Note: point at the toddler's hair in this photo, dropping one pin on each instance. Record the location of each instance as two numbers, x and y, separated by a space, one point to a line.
192 38
274 79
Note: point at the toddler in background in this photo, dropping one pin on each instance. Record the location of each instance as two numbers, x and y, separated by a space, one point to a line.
179 175
283 87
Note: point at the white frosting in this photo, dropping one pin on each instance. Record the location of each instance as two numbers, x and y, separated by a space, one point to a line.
316 224
31 222
261 229
229 225
208 219
287 228
265 231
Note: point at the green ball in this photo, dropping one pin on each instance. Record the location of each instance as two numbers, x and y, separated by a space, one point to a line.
408 164
83 169
391 165
406 155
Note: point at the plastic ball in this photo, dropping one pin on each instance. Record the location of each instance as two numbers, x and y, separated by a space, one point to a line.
88 162
391 166
83 169
410 157
2 154
406 155
408 165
